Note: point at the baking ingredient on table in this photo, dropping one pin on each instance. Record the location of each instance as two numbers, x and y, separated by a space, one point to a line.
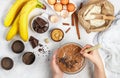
96 16
77 26
46 40
89 12
54 18
73 15
41 45
28 58
57 34
64 8
66 24
7 63
44 52
64 13
91 17
58 7
20 19
73 19
13 30
64 2
67 30
52 2
33 41
40 25
23 20
81 5
70 7
18 46
69 58
43 49
14 10
97 22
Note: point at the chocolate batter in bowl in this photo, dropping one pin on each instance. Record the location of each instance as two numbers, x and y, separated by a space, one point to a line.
69 58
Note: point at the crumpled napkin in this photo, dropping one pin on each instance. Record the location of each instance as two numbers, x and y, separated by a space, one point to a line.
110 41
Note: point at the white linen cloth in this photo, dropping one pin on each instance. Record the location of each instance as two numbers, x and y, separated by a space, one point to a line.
110 41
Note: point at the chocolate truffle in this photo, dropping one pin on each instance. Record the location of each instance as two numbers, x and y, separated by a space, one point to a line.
18 46
7 63
28 58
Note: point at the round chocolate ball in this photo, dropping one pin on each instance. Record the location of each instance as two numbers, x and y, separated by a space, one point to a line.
18 46
7 63
28 58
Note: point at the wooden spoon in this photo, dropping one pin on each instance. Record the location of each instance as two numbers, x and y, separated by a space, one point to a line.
93 48
104 17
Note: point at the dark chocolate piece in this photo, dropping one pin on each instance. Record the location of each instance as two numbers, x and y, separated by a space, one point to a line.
28 58
18 46
40 25
7 63
40 31
34 42
41 21
39 49
45 28
68 63
40 45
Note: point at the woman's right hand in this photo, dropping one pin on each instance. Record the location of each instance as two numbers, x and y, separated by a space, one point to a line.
92 55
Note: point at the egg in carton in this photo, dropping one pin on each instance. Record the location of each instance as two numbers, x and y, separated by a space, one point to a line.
64 8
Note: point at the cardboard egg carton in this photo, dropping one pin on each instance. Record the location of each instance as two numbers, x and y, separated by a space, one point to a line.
64 12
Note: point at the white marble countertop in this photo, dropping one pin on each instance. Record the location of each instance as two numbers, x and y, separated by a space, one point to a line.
41 67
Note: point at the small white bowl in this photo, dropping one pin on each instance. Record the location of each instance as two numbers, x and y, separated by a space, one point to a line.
44 18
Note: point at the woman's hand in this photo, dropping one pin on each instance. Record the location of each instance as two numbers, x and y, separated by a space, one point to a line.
92 55
57 73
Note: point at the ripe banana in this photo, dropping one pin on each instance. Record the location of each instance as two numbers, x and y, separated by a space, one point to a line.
23 20
13 30
13 12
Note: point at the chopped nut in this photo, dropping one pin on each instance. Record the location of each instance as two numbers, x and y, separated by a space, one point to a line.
46 40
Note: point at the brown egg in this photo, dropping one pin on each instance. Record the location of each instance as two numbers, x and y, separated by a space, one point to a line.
70 7
64 2
58 7
51 2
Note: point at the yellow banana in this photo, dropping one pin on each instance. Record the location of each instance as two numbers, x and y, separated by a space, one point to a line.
13 30
12 13
23 20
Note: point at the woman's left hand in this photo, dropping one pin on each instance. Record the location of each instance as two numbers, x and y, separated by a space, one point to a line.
57 73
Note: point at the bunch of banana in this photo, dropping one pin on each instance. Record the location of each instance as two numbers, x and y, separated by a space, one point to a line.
18 17
14 10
